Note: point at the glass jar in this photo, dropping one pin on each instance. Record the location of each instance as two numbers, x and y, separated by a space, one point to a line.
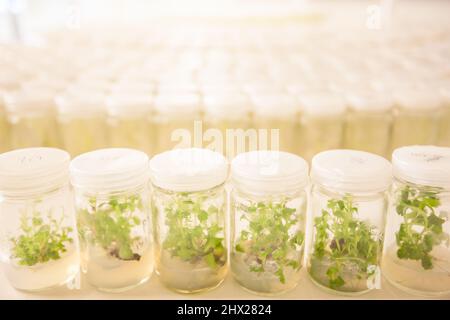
444 125
280 112
4 127
189 207
82 122
129 122
368 123
113 217
322 122
226 111
349 203
417 252
269 203
38 245
32 119
416 117
174 112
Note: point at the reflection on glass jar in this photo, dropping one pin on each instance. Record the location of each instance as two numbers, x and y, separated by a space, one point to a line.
268 220
349 206
189 207
417 252
4 127
38 237
114 224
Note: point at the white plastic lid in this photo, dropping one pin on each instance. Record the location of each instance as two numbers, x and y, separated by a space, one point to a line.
269 172
229 106
109 170
418 99
275 105
81 104
351 171
33 170
185 104
129 105
28 101
369 101
188 170
322 103
423 165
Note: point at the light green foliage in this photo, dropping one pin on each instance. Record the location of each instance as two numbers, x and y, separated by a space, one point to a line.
40 241
109 224
268 238
344 241
192 235
422 227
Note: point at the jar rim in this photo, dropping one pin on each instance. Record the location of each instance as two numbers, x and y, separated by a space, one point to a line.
351 171
31 171
110 169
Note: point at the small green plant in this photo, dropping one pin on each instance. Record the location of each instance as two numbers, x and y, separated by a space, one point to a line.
109 225
268 240
345 242
40 241
191 236
422 227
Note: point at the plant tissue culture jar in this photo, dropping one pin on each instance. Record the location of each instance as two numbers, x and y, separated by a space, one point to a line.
4 127
444 126
129 122
322 122
114 222
38 245
172 113
417 252
349 203
189 206
268 211
82 122
226 111
416 117
32 120
282 112
368 123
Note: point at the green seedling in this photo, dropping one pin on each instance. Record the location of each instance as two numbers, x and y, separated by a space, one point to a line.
40 241
191 236
422 226
268 241
345 241
109 225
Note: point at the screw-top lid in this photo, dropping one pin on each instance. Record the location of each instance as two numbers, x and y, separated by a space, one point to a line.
181 105
413 98
322 103
227 106
424 165
351 171
109 170
81 104
269 172
187 170
129 105
32 171
369 101
275 105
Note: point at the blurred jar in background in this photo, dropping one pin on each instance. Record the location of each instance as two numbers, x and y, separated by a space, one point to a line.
322 122
444 126
4 126
227 111
368 122
416 117
174 112
32 119
277 111
82 121
129 122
